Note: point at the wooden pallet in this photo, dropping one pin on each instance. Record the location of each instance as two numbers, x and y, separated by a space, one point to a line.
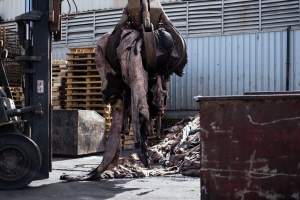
83 83
128 141
71 78
10 41
18 96
14 72
59 70
79 66
83 72
2 37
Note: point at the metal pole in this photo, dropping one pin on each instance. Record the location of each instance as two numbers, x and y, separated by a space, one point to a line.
41 84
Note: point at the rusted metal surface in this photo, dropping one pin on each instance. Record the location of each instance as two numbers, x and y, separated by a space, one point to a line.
250 147
272 93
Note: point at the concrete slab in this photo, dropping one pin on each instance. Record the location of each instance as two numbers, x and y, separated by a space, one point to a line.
171 187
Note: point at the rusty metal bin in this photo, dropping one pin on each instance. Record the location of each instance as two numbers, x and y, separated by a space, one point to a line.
250 147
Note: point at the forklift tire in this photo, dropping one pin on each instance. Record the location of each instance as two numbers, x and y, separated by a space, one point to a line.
20 161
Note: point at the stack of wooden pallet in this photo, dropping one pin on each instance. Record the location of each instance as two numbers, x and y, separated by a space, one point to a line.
14 72
59 70
83 83
18 96
10 39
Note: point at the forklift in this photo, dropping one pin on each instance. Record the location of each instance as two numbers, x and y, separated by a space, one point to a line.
25 133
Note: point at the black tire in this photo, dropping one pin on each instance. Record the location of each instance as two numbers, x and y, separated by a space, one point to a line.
20 161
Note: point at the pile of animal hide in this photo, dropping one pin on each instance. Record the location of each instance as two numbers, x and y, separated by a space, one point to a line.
178 152
180 148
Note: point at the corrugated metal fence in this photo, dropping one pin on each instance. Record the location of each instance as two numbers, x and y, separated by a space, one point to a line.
9 9
234 64
192 18
88 5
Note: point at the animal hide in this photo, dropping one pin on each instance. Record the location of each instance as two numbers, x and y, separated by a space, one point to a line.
178 152
129 80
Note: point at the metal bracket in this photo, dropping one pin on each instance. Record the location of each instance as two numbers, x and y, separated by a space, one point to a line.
30 109
31 16
28 58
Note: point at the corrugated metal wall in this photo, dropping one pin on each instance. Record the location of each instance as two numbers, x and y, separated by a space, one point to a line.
9 9
234 64
83 29
192 18
87 5
295 61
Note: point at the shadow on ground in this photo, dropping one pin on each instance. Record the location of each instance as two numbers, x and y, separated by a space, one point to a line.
104 189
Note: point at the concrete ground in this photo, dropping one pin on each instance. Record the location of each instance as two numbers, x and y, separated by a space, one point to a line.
171 187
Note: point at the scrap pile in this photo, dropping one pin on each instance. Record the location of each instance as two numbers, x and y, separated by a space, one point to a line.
178 152
132 167
180 148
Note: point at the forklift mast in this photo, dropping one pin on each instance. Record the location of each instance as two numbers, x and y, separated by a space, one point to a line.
35 38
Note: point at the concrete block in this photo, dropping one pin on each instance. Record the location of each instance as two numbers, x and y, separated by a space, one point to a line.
77 132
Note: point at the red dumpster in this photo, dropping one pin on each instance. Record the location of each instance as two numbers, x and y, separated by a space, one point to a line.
250 147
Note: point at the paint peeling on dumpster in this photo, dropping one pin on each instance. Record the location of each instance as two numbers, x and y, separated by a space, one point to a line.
250 147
